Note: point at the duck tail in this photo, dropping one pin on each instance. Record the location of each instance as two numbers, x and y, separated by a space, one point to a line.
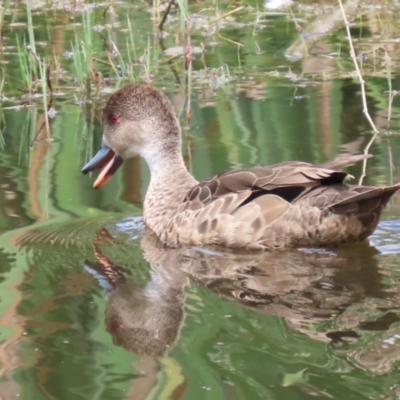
366 203
366 206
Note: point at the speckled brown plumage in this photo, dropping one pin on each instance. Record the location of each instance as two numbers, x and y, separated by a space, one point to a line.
286 204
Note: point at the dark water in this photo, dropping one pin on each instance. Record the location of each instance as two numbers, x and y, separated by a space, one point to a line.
92 307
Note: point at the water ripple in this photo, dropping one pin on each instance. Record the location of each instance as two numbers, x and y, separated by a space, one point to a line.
386 237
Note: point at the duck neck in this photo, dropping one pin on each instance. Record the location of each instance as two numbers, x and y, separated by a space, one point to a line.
164 160
170 181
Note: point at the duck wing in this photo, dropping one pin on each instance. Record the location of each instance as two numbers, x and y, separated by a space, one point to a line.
288 181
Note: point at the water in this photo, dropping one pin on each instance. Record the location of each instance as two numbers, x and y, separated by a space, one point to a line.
92 307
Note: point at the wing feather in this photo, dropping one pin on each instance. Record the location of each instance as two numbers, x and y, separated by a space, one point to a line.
240 205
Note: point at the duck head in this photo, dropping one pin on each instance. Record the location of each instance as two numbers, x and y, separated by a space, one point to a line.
137 120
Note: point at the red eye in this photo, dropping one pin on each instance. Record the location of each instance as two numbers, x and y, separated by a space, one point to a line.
117 325
114 118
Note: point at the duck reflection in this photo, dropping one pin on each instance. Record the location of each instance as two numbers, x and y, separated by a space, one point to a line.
143 319
303 286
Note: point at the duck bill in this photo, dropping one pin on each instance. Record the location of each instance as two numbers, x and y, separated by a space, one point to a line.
106 159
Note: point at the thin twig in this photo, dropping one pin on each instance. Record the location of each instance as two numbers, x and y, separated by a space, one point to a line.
391 165
363 93
165 15
299 29
37 134
389 79
170 63
102 62
230 40
162 46
44 80
226 15
366 151
50 86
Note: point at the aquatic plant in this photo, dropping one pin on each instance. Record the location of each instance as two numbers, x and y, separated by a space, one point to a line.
82 55
78 63
27 67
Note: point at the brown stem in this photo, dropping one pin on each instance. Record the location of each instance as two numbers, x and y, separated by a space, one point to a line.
165 15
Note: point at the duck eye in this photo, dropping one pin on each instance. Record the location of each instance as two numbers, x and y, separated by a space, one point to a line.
113 118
